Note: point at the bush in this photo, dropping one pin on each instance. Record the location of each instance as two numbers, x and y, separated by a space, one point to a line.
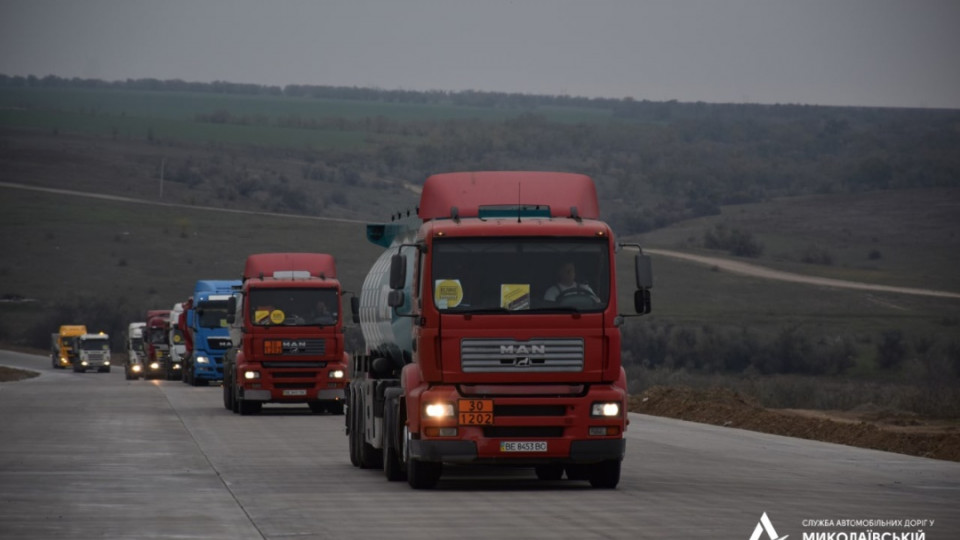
737 242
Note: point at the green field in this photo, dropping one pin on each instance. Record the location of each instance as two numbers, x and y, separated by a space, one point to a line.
173 115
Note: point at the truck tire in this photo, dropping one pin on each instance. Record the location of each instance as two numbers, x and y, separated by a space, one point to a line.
550 472
335 407
370 457
605 475
420 474
317 407
128 375
77 368
392 468
423 474
352 430
249 407
227 393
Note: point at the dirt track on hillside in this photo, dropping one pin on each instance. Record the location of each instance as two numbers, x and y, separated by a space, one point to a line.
767 273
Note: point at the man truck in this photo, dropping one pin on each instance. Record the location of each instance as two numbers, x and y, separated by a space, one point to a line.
466 360
210 335
64 345
288 338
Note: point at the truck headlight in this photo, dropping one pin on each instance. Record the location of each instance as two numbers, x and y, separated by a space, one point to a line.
336 374
136 368
155 365
438 410
611 408
203 360
106 363
250 375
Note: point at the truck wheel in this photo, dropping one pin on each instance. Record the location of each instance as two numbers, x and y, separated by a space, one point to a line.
335 407
423 474
392 468
235 400
249 407
353 431
127 375
605 475
227 393
77 368
316 407
53 362
370 457
551 472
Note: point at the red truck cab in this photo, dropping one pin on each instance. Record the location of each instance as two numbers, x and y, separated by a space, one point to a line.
288 335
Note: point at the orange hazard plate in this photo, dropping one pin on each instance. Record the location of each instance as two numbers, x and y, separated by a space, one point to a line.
475 412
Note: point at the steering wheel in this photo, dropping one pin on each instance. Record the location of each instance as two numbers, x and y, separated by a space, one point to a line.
577 296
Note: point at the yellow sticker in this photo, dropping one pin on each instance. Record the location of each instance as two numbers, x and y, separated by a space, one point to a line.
177 338
514 296
277 316
260 316
448 293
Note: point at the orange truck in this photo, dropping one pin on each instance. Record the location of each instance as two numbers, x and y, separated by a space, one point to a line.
482 345
65 345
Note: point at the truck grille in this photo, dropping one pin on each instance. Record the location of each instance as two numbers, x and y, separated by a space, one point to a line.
496 432
508 355
219 343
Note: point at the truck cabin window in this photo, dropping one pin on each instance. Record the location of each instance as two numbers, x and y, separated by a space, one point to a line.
293 307
212 314
523 275
95 345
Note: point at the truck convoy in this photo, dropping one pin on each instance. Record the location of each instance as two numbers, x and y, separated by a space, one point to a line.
477 350
136 354
64 345
287 333
210 335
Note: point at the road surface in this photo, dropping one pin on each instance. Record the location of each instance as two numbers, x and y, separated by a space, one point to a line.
93 455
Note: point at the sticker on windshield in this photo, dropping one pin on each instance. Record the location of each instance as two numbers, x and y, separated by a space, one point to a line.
514 296
260 316
277 316
448 293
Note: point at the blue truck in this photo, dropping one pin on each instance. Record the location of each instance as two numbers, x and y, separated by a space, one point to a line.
208 328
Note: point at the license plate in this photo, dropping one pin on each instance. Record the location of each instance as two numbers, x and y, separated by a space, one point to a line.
475 412
294 392
523 446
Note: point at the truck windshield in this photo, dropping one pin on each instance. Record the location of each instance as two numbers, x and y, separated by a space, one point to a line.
212 314
505 275
94 344
293 307
136 344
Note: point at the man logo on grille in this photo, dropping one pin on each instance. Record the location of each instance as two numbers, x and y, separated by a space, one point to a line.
522 362
765 525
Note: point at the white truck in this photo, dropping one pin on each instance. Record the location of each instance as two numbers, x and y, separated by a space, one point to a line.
94 353
133 369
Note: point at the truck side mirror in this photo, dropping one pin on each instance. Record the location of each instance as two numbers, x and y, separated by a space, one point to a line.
232 310
644 271
641 301
355 309
398 271
395 299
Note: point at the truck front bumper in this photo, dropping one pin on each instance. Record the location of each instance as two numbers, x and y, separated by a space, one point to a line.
580 451
277 395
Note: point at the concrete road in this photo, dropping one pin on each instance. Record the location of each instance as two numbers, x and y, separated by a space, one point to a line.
92 455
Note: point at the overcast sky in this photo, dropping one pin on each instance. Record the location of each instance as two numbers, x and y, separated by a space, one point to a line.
899 53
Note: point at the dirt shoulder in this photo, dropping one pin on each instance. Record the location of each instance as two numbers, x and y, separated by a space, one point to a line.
879 430
8 374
